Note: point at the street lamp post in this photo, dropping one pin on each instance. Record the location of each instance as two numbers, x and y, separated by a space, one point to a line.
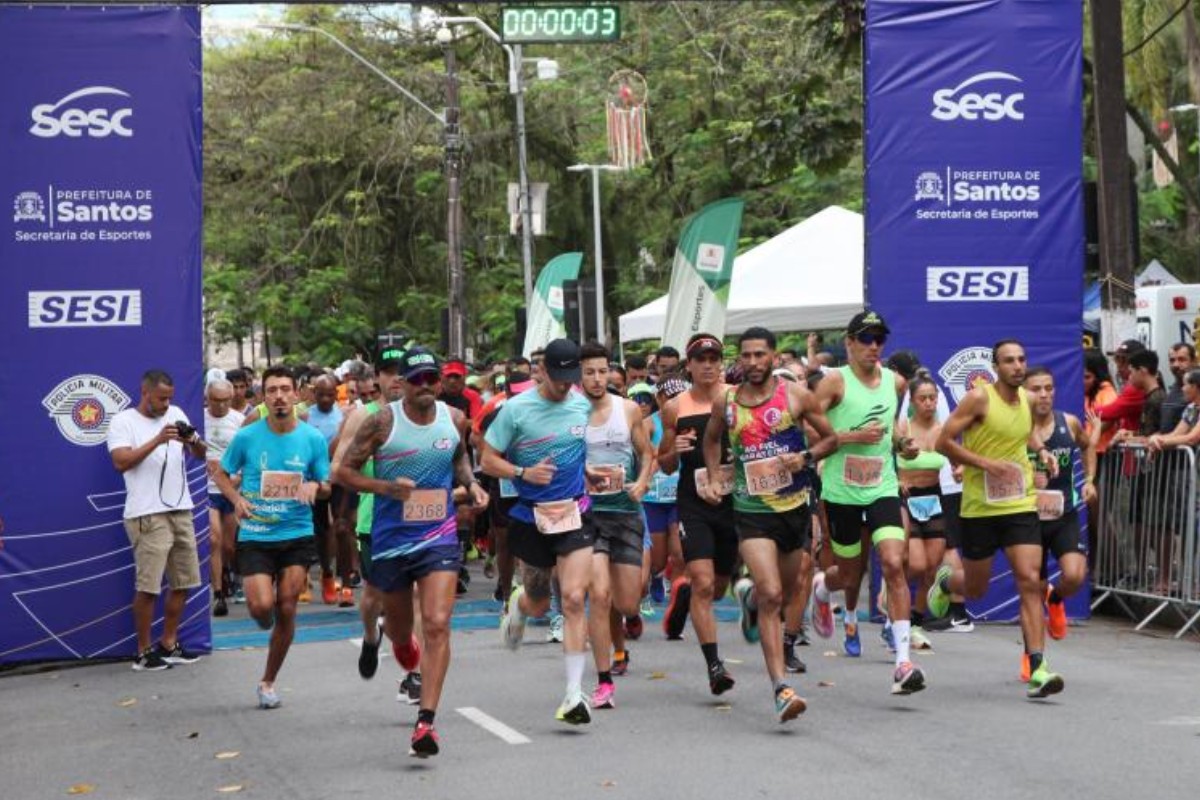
595 169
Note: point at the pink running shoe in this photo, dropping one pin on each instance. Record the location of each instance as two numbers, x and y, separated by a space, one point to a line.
604 696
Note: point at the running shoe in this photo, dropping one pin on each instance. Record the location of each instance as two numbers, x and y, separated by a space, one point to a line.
408 655
634 627
939 593
658 589
304 597
409 690
1056 616
268 697
719 679
329 591
852 644
791 661
355 579
512 623
239 597
574 709
918 640
604 696
961 624
1024 667
368 655
346 597
220 609
748 618
555 634
489 568
150 661
889 638
424 741
177 654
1043 682
907 678
788 704
802 639
677 611
647 609
822 613
620 666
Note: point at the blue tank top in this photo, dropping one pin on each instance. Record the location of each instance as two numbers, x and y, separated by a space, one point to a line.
663 487
1062 444
425 455
327 424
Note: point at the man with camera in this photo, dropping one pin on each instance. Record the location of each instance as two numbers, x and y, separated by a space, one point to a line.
147 445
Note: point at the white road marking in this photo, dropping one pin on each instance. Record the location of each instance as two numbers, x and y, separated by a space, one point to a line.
1180 721
493 726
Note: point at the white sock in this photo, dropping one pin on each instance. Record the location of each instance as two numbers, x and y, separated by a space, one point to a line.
575 665
900 632
821 592
850 616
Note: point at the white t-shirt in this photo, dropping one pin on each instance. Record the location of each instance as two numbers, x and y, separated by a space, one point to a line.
218 433
144 494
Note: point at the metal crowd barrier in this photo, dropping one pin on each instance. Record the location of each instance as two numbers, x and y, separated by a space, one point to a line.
1146 547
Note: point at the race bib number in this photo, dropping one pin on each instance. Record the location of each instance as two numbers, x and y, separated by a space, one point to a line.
507 488
1050 504
279 485
560 516
605 479
724 479
925 508
666 487
1004 490
863 472
766 476
425 505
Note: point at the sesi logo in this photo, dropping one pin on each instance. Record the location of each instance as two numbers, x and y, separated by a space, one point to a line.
62 119
86 309
976 284
952 104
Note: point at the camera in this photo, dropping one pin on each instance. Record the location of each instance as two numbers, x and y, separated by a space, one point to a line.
185 431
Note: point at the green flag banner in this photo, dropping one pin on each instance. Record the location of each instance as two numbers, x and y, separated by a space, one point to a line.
701 273
544 317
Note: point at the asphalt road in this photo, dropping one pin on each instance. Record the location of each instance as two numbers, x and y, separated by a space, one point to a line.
1127 726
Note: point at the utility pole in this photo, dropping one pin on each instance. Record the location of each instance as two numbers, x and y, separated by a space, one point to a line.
517 88
453 143
1114 185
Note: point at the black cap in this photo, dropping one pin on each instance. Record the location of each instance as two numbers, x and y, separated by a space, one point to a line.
561 361
865 321
1128 348
905 362
419 361
389 358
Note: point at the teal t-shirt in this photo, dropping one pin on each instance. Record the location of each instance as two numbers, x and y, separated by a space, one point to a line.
285 460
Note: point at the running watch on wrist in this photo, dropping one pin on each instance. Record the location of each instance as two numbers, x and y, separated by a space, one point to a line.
520 473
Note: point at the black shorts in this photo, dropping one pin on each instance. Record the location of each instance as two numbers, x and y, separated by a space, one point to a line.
1061 536
399 573
543 550
983 536
364 556
708 535
846 522
219 503
951 522
935 526
498 507
344 503
272 558
321 518
789 530
619 536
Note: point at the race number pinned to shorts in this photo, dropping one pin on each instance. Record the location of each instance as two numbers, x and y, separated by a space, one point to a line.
766 476
666 487
605 479
559 516
426 505
864 472
507 488
724 479
1004 490
924 507
1050 504
280 485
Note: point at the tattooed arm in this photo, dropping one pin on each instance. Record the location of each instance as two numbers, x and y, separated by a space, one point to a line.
371 435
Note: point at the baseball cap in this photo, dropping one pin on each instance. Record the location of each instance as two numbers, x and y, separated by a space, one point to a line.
672 387
214 374
389 358
639 390
418 361
704 343
864 321
561 361
1127 348
454 367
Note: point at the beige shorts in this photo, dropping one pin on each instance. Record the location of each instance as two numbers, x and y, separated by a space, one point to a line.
164 542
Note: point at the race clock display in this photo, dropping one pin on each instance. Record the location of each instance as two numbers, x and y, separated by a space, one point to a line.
574 23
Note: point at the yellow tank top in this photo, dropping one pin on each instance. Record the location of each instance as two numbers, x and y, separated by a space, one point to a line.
1002 435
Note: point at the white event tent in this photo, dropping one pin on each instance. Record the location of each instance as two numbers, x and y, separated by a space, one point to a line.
809 277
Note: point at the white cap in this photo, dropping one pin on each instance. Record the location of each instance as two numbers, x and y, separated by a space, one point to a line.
214 374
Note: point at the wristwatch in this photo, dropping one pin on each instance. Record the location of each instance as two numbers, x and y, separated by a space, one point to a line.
520 473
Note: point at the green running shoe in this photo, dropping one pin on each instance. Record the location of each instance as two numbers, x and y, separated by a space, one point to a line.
1043 682
939 596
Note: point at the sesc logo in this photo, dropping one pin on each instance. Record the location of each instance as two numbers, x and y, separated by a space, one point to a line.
62 119
952 104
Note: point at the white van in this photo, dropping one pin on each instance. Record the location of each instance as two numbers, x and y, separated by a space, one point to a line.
1166 316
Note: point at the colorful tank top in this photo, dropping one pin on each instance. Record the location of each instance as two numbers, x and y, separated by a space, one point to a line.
1003 435
758 435
860 474
425 455
1062 444
610 448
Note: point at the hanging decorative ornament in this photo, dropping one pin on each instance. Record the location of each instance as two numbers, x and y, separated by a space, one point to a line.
628 99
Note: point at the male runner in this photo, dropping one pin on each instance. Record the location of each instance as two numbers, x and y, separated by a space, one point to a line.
334 541
537 441
1058 504
999 506
763 418
859 488
708 535
221 422
418 446
285 467
620 463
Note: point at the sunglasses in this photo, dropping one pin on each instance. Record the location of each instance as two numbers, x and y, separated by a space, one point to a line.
871 338
425 379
